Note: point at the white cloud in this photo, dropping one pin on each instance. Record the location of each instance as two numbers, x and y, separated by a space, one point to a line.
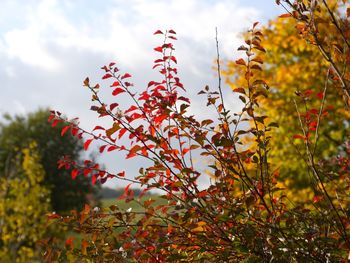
27 46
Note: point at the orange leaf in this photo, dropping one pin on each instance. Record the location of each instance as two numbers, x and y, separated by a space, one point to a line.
285 15
240 62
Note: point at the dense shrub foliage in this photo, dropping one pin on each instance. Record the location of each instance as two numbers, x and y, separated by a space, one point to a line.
245 214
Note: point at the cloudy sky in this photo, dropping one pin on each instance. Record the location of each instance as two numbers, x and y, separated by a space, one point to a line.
48 47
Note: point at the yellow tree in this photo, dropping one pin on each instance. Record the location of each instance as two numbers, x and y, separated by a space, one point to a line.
23 204
295 70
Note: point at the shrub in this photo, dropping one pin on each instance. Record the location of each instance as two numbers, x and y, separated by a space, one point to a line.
244 215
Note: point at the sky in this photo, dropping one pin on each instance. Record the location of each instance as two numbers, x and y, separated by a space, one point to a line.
48 47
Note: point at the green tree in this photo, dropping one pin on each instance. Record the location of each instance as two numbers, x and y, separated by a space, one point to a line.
24 201
19 131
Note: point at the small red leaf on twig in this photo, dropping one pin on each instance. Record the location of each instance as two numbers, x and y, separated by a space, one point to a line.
74 173
93 179
121 174
126 75
107 76
98 128
115 84
298 136
121 132
87 143
159 49
111 148
117 91
64 130
112 106
102 148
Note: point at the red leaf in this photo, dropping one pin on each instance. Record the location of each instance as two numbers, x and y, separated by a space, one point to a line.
98 128
117 91
130 155
55 122
160 118
298 136
64 130
126 75
51 117
53 216
86 171
173 59
135 116
151 83
111 148
69 242
320 95
121 132
157 32
172 31
159 49
107 76
87 143
317 198
112 106
314 111
102 148
126 189
132 108
156 65
74 131
111 64
115 84
121 174
308 92
202 193
93 179
74 173
185 150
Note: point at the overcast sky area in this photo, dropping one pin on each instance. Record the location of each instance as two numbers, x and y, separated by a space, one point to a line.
48 47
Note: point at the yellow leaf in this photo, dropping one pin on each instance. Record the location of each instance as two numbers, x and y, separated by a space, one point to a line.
198 229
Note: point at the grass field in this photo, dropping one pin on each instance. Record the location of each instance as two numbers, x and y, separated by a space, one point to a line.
135 205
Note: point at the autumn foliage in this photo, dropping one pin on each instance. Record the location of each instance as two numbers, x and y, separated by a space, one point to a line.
245 214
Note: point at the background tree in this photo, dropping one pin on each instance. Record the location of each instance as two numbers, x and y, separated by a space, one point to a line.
24 201
293 66
18 131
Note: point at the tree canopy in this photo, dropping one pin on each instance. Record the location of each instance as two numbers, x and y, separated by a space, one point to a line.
292 66
18 132
24 202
